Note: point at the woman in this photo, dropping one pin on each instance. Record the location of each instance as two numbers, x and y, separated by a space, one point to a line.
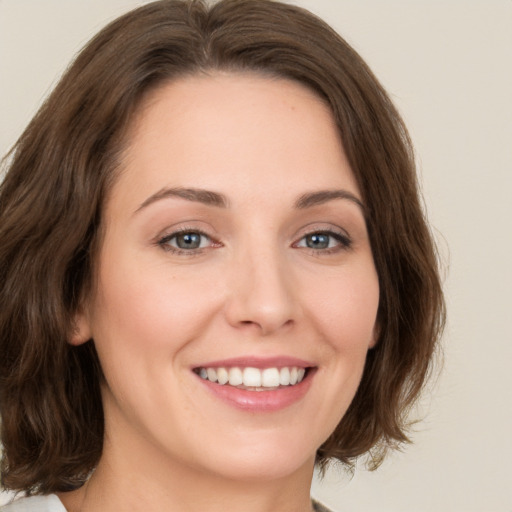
215 269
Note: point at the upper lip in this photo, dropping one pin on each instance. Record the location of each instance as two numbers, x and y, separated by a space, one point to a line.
258 362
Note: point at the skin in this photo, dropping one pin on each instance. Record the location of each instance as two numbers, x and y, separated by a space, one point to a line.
253 288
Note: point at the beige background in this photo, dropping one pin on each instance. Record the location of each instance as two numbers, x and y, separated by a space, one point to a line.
447 64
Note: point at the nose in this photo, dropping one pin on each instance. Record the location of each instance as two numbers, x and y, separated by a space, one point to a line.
262 294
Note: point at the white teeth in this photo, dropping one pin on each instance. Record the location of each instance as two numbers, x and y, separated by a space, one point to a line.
235 377
270 378
284 377
222 375
254 378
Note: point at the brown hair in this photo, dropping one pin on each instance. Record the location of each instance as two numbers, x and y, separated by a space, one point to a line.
65 162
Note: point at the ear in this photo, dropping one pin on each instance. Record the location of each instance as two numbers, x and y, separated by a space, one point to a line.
375 336
81 329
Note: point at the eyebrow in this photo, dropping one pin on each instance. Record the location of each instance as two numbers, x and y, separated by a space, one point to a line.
211 198
323 196
197 195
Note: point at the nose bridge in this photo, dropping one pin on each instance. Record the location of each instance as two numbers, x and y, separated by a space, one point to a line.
262 291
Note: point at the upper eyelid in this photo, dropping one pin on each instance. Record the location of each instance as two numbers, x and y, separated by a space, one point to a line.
181 230
186 227
177 232
319 227
208 231
341 237
170 232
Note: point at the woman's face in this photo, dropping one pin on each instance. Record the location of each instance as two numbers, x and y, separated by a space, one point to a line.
235 262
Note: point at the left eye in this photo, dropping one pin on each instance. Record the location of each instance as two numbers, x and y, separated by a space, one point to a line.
323 240
186 240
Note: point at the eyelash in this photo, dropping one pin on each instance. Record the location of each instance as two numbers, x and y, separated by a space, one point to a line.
343 242
164 242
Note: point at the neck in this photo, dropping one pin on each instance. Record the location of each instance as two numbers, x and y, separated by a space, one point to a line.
148 485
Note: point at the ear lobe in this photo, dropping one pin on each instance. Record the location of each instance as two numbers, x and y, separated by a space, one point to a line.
375 336
81 330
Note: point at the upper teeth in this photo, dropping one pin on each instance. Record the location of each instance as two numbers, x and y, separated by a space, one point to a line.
254 377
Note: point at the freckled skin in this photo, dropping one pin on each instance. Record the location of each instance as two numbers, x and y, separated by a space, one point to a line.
253 288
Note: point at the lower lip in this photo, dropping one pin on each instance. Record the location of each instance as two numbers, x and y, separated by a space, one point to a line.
261 401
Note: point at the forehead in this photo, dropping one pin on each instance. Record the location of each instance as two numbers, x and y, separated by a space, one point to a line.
228 129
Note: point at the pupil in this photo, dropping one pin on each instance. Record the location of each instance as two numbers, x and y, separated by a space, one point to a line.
317 241
188 241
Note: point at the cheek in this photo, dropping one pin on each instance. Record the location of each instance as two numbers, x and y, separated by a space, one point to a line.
148 314
344 313
347 310
143 324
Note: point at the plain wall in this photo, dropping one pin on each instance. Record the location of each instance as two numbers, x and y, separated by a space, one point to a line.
447 65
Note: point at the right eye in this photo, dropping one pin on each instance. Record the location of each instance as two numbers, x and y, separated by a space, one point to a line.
185 241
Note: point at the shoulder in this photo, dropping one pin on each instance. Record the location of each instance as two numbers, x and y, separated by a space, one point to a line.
35 504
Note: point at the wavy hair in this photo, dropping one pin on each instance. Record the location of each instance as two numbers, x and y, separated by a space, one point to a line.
63 165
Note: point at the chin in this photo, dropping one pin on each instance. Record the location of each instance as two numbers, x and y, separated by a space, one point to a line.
265 467
261 458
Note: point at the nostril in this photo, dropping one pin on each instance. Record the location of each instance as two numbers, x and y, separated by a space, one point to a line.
265 326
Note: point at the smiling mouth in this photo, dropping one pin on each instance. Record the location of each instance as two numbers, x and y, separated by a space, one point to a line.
254 379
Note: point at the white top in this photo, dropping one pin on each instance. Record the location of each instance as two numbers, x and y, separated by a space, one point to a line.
35 504
52 504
